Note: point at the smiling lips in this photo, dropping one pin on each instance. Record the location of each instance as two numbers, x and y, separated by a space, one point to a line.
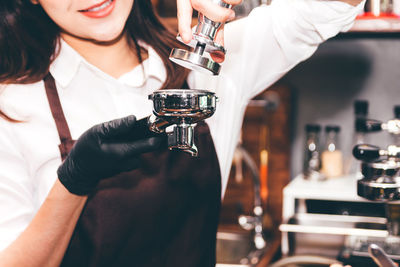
100 10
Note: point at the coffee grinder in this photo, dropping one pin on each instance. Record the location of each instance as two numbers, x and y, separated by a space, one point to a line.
380 182
183 108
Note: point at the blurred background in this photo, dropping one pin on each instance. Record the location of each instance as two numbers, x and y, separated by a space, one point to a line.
294 174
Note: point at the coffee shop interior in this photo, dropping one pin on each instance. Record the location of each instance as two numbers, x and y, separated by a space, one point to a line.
314 180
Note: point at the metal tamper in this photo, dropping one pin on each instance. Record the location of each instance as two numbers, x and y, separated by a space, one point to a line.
181 109
202 41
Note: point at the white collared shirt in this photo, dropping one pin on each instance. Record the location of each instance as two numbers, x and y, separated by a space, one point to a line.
261 48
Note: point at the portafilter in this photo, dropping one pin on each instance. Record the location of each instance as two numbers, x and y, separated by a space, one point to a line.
181 109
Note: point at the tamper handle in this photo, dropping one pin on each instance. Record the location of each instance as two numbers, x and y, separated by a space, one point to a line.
207 27
366 152
368 125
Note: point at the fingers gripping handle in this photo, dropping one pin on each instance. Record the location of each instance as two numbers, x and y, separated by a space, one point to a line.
203 40
208 28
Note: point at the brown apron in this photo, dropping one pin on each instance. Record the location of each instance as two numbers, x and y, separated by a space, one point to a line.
163 214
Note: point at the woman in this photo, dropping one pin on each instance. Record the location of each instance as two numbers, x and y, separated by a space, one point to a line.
121 198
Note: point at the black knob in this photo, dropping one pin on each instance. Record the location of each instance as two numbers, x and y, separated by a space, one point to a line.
361 108
366 152
368 125
397 112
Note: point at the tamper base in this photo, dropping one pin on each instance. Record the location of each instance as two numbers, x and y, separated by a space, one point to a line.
193 61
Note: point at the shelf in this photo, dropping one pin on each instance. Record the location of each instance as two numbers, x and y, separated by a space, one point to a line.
376 24
300 188
336 225
364 27
369 26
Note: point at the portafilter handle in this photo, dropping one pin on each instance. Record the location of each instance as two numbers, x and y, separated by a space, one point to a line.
366 152
370 126
370 153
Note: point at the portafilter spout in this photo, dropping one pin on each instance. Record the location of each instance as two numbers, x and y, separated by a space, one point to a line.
180 109
203 40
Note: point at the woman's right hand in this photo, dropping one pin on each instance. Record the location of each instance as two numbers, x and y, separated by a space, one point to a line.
105 150
210 10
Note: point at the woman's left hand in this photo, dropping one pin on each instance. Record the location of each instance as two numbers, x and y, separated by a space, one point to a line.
211 11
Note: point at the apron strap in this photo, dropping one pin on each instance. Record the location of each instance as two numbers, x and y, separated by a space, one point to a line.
58 115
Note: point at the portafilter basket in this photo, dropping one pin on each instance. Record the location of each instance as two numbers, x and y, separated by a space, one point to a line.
181 109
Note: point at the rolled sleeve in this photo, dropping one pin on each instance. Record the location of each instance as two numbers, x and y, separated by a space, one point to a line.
16 205
308 23
273 39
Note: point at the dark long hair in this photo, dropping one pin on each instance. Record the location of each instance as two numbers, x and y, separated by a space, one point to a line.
28 41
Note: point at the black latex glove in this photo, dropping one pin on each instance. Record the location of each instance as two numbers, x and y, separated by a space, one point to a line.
105 150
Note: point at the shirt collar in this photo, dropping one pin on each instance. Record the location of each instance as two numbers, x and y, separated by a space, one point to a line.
66 65
152 67
155 67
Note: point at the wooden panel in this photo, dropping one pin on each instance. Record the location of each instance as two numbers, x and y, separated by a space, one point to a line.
239 196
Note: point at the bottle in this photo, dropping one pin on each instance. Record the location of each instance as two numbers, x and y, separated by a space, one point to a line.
332 158
378 7
360 112
353 166
312 156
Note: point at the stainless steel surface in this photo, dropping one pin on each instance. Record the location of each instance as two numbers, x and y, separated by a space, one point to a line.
305 260
194 61
359 246
336 225
210 45
254 221
182 109
208 28
203 40
183 105
326 234
182 137
236 249
380 256
392 126
380 170
381 189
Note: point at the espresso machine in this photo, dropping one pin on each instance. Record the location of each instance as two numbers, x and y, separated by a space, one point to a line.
181 109
380 182
379 167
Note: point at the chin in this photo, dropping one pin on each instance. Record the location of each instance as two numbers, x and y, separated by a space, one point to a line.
107 36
